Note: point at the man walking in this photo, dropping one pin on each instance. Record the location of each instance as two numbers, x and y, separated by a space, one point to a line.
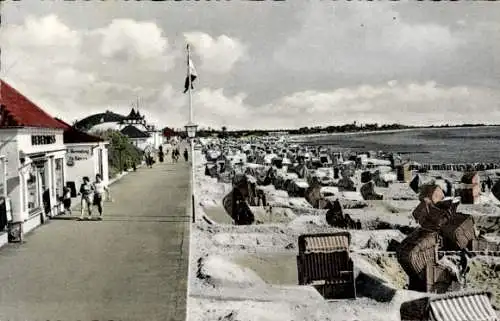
186 155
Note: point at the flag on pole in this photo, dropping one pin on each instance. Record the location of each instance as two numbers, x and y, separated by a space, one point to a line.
191 74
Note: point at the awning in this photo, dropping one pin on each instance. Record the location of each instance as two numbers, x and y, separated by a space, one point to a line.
474 306
326 243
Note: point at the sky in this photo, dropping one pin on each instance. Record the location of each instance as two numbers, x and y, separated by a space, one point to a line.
263 64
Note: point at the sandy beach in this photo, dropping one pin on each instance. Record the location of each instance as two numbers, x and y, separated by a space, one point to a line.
250 272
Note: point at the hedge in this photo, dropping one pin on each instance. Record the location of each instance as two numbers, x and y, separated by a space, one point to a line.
130 154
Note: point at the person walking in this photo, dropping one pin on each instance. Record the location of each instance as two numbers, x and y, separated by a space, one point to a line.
66 200
489 182
161 154
186 155
100 188
86 190
175 155
172 155
46 203
464 265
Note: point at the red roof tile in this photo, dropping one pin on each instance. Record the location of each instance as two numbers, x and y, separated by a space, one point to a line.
23 111
74 136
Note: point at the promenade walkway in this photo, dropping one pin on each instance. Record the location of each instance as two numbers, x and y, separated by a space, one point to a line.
130 266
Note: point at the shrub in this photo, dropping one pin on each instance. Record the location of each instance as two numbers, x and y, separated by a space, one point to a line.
120 144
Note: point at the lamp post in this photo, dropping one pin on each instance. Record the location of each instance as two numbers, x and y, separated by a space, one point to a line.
191 133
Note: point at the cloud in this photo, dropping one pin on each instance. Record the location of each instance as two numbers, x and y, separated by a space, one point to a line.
218 55
126 37
44 39
410 103
71 72
370 39
375 62
42 32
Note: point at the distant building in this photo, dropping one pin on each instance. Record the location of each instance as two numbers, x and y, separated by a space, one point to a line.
134 126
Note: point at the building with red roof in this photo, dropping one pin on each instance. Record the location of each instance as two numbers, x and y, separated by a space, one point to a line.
32 143
19 111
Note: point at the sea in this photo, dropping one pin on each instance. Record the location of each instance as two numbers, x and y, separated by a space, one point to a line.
428 146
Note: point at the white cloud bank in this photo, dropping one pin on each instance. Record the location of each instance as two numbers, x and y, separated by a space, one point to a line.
364 38
74 73
412 103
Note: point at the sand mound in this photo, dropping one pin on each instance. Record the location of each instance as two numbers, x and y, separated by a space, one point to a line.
375 240
251 240
217 271
373 244
268 214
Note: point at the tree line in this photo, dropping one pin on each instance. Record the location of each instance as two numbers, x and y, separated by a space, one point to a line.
346 128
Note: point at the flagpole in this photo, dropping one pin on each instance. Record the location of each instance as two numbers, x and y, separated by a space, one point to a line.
191 140
189 86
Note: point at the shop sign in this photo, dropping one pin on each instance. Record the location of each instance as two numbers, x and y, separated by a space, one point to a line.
77 154
43 139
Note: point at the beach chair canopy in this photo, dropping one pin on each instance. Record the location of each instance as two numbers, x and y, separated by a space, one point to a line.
472 306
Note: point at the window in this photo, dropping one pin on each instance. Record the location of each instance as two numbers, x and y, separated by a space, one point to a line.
101 164
59 177
33 189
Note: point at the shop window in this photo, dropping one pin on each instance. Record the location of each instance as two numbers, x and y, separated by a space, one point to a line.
59 176
33 190
101 169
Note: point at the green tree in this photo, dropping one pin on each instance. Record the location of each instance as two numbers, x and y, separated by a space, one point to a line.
121 152
224 132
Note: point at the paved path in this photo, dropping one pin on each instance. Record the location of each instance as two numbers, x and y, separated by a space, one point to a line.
130 266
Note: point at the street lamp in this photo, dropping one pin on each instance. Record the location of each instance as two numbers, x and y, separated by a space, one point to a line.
191 133
191 130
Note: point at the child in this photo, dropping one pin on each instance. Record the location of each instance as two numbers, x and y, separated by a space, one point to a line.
66 199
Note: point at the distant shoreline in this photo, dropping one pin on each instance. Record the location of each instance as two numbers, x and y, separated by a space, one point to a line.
319 135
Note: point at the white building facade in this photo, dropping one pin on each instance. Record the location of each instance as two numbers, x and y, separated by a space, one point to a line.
32 143
86 156
35 165
156 138
86 159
